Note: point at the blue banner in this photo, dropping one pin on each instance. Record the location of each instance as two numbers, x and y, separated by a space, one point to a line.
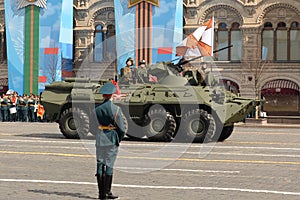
162 29
167 29
125 31
55 42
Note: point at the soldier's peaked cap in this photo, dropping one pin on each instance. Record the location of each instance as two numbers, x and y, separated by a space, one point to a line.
108 88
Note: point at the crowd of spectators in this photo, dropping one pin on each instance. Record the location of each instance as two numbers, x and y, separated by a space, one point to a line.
23 108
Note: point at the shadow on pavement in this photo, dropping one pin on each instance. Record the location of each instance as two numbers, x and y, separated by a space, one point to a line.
60 136
43 135
78 195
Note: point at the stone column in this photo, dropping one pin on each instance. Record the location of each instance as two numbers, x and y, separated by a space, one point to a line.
250 59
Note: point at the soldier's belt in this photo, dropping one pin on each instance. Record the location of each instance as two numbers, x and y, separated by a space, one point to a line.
105 128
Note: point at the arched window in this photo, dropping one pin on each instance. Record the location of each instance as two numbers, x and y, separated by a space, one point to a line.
295 41
222 41
226 37
110 42
104 43
98 44
268 42
281 43
236 40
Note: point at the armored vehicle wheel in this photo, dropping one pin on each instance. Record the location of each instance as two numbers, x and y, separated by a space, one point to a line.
162 125
226 132
125 123
74 123
198 125
135 131
135 128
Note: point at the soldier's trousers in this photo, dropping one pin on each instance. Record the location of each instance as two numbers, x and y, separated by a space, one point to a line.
106 155
31 113
5 115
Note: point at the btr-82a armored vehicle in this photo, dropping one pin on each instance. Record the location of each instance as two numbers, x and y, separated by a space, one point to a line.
178 106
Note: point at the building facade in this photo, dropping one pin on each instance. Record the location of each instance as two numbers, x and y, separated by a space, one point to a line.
264 61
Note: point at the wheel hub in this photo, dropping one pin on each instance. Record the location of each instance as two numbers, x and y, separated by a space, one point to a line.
197 127
157 125
71 124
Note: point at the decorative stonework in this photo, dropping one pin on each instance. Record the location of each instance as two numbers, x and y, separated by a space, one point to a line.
82 42
251 11
280 7
192 13
100 12
82 15
224 13
2 22
82 3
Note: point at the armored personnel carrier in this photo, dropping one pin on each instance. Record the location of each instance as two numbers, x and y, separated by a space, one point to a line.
181 105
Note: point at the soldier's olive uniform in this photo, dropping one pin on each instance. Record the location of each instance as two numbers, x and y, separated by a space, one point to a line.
142 75
127 72
111 132
4 109
126 75
31 114
22 109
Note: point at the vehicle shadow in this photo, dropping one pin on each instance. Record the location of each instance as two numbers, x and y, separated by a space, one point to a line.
65 194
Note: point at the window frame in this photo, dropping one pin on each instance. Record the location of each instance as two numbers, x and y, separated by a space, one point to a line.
229 31
275 39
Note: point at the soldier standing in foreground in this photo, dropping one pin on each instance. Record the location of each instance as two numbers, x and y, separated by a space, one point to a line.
111 132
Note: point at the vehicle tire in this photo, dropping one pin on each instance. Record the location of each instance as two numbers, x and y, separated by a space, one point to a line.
226 132
125 123
161 127
74 123
136 128
198 125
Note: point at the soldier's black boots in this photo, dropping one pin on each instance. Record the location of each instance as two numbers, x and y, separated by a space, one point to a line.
108 183
101 188
104 187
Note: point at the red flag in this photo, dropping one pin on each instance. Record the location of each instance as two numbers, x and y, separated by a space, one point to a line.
118 91
165 50
53 51
42 79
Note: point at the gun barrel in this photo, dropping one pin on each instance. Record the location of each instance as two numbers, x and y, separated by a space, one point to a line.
215 51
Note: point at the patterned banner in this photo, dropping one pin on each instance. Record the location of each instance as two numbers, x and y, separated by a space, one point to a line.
39 43
148 29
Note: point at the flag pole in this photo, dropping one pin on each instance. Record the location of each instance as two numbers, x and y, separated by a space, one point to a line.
212 38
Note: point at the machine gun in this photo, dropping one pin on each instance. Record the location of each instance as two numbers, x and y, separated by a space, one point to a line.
182 62
166 72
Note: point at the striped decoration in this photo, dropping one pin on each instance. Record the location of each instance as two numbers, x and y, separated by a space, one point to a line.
143 32
31 49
